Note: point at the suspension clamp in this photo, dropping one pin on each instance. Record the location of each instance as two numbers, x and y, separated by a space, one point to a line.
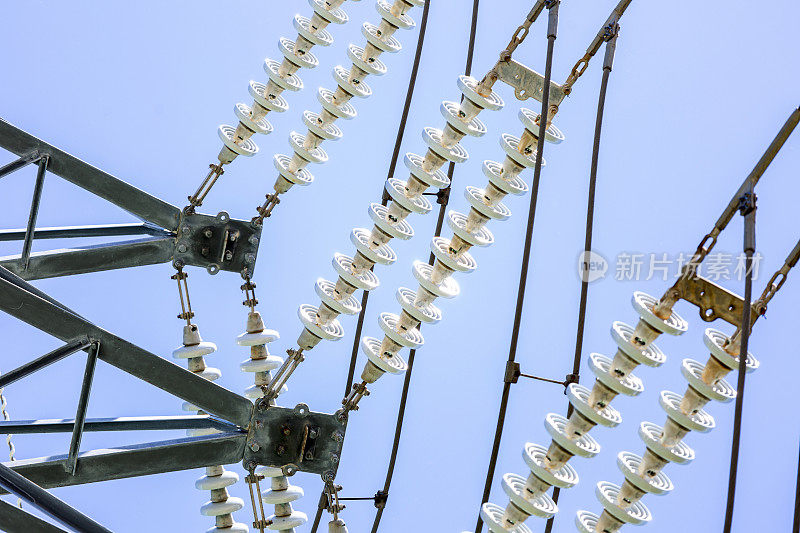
747 203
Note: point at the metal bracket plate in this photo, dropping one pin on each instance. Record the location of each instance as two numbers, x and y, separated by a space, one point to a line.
296 439
713 300
528 83
217 243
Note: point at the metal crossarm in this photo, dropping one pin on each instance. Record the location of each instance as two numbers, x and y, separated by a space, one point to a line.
70 261
135 201
122 423
15 520
56 321
136 460
212 242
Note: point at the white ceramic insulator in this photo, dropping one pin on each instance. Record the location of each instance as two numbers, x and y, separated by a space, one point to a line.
492 515
607 494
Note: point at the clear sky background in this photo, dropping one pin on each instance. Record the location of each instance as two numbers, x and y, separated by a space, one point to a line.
698 91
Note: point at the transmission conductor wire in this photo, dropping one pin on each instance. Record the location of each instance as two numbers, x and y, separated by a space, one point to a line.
601 103
523 276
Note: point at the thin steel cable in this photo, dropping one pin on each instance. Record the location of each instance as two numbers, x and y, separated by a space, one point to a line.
598 125
443 201
523 275
749 248
401 128
796 526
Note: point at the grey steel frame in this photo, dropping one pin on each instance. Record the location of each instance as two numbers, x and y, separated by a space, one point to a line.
172 236
216 243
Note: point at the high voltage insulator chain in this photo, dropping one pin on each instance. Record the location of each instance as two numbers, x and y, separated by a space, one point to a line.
643 474
336 104
372 246
267 97
221 505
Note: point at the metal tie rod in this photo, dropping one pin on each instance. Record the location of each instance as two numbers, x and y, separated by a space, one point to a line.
47 503
43 361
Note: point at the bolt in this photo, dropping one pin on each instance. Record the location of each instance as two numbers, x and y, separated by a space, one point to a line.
250 258
281 449
259 423
182 248
286 430
186 228
208 233
254 446
253 240
309 454
334 458
313 433
228 255
337 436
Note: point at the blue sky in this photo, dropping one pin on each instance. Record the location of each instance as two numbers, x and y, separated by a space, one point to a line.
698 91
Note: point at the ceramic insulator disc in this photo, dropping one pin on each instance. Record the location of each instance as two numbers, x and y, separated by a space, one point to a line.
433 138
492 515
715 340
243 113
398 230
584 446
335 15
410 338
510 146
671 403
382 254
440 247
636 514
477 199
629 464
438 179
332 331
644 303
371 65
305 60
721 391
529 120
326 290
534 456
227 135
458 223
291 82
448 288
345 110
388 362
365 280
468 85
451 111
404 22
328 131
494 172
630 385
428 313
542 506
275 102
360 89
301 177
650 434
313 155
579 398
651 355
319 37
383 43
397 190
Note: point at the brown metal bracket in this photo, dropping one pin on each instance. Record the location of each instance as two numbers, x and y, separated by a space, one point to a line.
713 300
528 83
